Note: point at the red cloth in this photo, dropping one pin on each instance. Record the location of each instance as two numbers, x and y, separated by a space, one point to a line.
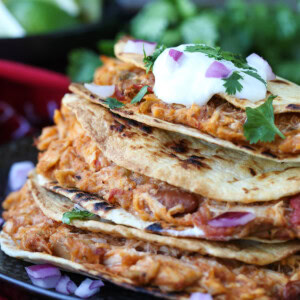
28 97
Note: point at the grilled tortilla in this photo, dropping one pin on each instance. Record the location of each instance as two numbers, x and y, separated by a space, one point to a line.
219 122
72 164
54 206
31 235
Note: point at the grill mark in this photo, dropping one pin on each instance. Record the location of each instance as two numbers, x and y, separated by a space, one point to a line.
155 227
132 123
117 127
146 129
280 81
180 147
102 206
84 197
252 171
247 147
56 187
293 106
73 190
267 153
196 161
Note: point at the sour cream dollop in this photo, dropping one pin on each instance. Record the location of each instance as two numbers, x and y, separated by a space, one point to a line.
184 81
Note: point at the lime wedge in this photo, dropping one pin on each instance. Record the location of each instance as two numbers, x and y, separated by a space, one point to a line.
40 16
9 26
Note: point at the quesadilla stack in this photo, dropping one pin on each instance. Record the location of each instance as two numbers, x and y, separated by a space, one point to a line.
164 198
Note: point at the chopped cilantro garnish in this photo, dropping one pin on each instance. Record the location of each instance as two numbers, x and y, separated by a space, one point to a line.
143 91
76 214
113 103
218 54
149 60
232 83
260 125
255 75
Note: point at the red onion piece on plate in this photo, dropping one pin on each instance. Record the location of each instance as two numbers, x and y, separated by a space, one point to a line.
232 219
45 276
103 91
88 288
65 285
200 296
138 47
175 54
217 70
18 174
259 63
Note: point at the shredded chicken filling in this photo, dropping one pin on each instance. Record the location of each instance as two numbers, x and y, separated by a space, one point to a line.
217 118
73 159
144 264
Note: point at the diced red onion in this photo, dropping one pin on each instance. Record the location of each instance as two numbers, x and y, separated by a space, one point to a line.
96 284
45 276
175 54
65 285
217 70
138 47
88 288
1 221
23 128
232 219
260 63
295 205
103 91
200 296
18 174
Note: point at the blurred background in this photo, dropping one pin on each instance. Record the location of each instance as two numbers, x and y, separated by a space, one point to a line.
46 43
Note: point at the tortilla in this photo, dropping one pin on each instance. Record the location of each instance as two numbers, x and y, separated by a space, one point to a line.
288 93
184 161
129 113
9 247
54 206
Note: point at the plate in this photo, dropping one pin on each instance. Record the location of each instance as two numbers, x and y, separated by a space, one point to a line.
13 270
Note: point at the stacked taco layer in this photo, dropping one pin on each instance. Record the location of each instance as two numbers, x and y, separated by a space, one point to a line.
149 199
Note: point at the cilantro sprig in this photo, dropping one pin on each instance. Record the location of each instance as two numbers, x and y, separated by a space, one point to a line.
150 59
113 103
76 214
232 83
260 125
139 96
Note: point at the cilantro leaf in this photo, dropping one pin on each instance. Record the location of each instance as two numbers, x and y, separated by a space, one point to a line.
260 125
76 214
139 96
150 59
113 103
255 75
218 54
82 64
232 83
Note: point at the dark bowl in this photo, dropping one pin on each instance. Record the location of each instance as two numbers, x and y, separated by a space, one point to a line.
50 50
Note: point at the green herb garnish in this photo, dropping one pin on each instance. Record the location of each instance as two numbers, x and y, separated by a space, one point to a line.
76 214
149 60
139 96
218 54
232 83
82 65
255 75
113 103
260 125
